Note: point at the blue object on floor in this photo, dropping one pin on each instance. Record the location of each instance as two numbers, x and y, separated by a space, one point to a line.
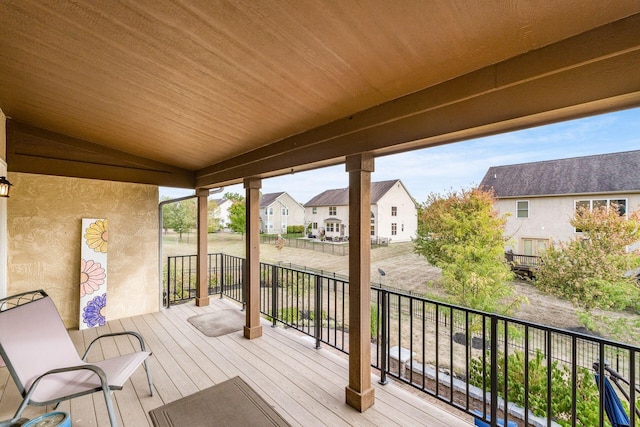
51 419
481 423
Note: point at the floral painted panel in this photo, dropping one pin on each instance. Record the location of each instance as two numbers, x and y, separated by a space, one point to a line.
93 272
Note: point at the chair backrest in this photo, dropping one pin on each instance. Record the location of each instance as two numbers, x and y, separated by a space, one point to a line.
33 340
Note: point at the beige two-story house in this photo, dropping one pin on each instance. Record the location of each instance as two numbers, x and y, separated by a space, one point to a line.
278 211
394 214
541 197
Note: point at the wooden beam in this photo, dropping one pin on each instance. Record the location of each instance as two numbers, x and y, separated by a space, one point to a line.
252 328
39 151
359 393
594 72
202 277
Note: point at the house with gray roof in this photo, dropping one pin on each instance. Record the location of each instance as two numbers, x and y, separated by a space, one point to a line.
278 211
394 214
541 197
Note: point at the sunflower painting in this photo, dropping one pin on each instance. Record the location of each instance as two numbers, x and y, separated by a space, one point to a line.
93 272
97 235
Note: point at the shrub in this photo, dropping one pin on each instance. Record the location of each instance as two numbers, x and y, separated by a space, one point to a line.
295 229
374 321
323 314
589 269
587 395
289 315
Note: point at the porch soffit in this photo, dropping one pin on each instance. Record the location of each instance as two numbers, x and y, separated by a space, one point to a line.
223 91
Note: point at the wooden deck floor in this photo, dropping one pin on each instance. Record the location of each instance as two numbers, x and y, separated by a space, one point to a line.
305 385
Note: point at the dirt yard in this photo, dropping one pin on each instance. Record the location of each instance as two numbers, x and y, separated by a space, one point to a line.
403 270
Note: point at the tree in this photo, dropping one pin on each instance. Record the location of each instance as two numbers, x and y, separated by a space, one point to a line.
590 268
179 216
213 219
237 212
463 235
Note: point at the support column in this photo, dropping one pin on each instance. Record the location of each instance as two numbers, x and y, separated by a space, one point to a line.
202 284
359 393
252 329
3 210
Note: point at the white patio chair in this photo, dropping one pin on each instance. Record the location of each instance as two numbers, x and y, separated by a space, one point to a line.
43 360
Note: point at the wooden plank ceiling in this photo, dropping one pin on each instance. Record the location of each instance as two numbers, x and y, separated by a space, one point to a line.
209 92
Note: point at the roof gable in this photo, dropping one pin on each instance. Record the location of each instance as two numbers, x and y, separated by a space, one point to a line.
604 173
340 196
268 199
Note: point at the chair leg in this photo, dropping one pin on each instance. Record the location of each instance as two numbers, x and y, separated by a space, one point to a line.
110 410
148 369
23 405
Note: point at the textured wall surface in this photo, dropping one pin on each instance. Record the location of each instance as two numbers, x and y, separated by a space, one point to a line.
44 227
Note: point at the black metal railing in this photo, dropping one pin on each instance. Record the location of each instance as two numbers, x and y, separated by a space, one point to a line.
542 376
523 265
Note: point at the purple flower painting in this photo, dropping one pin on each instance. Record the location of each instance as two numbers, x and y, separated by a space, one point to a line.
92 314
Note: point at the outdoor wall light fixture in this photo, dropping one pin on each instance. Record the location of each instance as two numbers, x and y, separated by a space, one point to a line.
5 185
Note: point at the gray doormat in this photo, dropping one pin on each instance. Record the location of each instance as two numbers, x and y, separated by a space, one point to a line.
231 403
218 323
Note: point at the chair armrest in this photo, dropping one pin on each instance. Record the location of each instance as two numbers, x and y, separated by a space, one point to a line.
96 369
115 334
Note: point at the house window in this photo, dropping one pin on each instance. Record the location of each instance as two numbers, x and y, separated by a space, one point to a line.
314 210
314 226
620 205
394 211
283 227
373 224
331 227
285 211
333 210
269 225
394 229
522 209
269 211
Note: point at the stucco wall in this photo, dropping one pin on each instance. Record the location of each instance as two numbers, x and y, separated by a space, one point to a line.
549 217
44 228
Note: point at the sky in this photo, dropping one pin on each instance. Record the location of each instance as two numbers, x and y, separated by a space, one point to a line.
464 164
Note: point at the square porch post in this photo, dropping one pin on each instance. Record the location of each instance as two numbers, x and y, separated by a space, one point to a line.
202 283
359 393
252 329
